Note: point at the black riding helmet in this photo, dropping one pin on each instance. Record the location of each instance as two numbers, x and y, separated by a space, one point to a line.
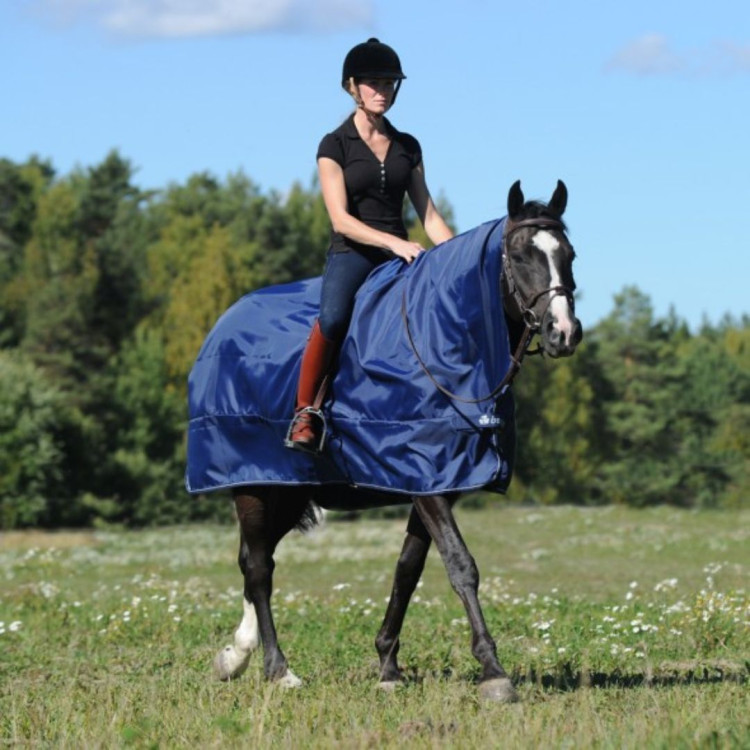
372 59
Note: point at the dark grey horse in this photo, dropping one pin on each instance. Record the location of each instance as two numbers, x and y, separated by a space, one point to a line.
538 291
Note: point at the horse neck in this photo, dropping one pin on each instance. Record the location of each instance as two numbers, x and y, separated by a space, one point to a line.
516 330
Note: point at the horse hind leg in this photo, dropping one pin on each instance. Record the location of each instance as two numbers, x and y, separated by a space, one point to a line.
264 519
231 662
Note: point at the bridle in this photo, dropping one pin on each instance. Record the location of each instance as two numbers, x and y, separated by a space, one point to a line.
525 306
532 321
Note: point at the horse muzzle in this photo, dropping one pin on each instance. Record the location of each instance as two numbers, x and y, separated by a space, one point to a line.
560 337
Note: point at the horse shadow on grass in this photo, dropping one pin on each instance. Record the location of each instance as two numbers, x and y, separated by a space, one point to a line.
566 678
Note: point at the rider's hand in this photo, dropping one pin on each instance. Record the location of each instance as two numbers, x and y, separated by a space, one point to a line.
406 250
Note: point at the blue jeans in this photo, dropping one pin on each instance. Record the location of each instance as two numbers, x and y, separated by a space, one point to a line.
344 274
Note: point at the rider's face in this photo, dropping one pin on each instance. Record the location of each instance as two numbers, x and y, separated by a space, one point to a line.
376 93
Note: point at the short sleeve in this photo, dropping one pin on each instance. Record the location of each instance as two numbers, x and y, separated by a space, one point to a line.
411 144
331 148
417 160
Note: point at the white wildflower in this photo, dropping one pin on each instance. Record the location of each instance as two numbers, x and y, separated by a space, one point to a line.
47 590
543 624
668 583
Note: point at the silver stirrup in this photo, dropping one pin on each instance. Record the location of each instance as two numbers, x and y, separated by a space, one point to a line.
315 449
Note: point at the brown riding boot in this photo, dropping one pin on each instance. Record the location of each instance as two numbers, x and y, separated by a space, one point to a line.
305 430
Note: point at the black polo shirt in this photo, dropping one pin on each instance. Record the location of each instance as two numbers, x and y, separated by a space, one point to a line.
374 190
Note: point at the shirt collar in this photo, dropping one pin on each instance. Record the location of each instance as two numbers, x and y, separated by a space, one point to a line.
350 129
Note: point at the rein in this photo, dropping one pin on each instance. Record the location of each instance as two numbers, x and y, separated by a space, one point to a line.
532 322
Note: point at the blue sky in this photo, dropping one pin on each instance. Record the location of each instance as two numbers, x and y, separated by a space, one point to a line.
643 108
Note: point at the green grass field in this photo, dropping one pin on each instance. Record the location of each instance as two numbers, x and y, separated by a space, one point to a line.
622 629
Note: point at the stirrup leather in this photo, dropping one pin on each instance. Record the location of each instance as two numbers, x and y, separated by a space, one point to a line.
315 449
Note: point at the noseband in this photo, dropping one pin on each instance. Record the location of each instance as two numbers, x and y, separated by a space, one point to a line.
532 322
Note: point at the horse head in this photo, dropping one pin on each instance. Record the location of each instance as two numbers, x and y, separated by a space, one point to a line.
538 283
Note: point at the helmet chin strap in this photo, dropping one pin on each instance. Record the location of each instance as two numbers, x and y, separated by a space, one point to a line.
395 91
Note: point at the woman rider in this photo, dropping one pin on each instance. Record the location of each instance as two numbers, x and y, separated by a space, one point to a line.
366 167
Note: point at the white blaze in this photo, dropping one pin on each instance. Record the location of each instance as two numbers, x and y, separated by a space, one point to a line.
559 305
547 243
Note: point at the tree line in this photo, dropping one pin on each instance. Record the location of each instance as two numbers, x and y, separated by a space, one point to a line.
107 291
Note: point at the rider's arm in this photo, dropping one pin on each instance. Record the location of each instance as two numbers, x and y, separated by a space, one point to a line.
334 195
434 224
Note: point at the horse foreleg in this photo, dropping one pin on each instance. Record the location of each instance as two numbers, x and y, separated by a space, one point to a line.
436 514
408 571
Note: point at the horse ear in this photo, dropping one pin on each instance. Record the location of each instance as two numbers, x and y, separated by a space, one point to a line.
515 199
559 199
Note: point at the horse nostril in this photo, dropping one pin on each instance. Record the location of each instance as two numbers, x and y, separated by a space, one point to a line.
554 335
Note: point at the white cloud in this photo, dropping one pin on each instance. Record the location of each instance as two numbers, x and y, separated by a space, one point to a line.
650 54
653 55
736 56
190 18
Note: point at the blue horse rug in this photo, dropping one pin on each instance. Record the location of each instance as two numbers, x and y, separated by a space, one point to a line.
389 427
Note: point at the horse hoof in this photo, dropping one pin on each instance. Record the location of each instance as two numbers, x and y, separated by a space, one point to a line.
229 664
388 686
289 681
499 690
